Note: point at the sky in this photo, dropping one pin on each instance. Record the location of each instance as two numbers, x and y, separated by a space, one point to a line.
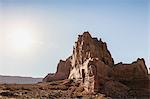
36 34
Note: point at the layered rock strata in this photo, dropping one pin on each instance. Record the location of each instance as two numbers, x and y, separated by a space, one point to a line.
92 65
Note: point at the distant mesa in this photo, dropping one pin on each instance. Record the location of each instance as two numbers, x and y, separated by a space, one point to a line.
18 80
92 65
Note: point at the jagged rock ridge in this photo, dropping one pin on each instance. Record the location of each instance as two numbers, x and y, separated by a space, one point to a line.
92 65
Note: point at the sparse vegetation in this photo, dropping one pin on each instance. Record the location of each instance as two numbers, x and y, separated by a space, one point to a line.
51 90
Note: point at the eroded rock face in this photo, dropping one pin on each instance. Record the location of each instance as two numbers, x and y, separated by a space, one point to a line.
87 47
49 77
63 70
128 72
92 66
91 61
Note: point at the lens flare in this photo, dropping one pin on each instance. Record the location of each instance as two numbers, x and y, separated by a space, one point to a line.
21 39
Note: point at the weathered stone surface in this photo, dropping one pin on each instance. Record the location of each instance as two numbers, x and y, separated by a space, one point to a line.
87 47
115 89
92 67
49 77
128 72
63 70
91 62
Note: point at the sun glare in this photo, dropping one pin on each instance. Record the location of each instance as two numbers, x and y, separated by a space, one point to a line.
21 39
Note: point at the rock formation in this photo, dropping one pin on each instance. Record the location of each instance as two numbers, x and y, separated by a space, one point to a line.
92 65
63 70
127 72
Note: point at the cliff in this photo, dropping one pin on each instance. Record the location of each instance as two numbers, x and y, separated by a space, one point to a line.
92 66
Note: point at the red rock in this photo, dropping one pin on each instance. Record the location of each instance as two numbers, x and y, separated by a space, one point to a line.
116 89
92 66
127 72
91 61
49 77
63 70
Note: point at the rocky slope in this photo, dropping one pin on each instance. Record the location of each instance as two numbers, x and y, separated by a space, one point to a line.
64 89
92 66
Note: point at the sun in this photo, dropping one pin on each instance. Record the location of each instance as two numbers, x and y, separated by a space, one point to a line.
21 39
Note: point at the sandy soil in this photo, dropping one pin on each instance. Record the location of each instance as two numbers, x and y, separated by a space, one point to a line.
65 89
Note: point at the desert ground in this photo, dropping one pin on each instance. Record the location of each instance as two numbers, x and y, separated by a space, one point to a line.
65 89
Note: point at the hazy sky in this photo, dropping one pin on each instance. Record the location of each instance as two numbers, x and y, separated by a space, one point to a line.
36 34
